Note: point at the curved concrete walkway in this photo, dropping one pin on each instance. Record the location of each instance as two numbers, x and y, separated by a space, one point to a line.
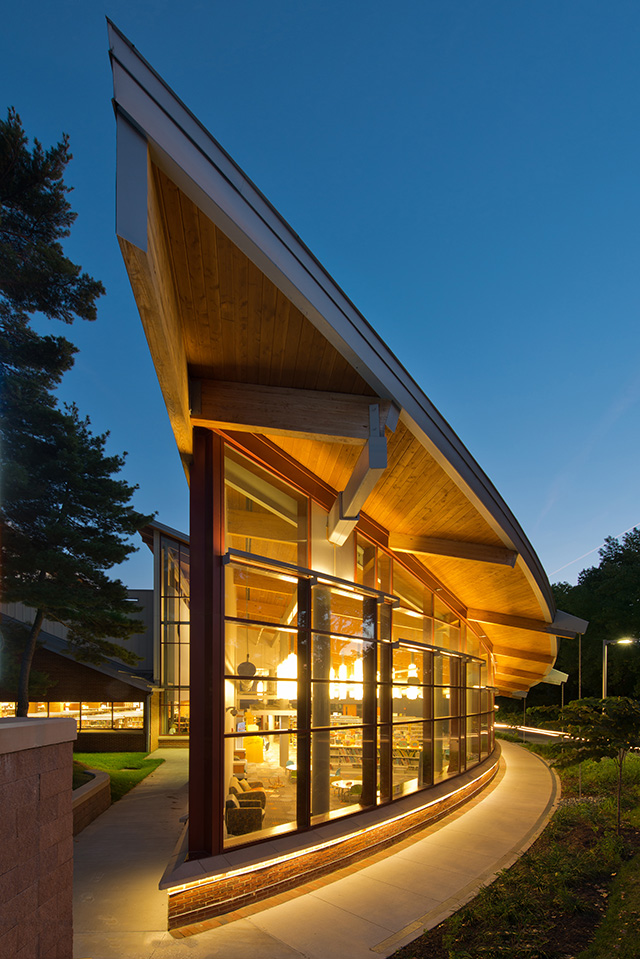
366 910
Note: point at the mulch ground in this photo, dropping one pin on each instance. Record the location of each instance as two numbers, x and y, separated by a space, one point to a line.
567 934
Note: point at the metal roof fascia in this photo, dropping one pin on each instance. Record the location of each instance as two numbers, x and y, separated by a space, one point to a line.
195 159
569 623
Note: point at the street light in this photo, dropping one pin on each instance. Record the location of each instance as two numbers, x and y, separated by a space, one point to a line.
627 641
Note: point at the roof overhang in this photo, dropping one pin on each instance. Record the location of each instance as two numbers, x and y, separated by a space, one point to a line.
206 254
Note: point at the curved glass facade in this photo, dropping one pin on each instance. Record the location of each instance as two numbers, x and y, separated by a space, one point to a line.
348 682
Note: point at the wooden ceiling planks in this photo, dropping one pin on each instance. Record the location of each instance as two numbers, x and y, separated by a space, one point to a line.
238 327
332 462
508 588
521 659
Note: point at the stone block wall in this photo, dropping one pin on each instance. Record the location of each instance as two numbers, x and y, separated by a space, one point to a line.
36 838
91 800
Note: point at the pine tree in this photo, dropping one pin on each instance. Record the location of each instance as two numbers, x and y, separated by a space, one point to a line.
65 516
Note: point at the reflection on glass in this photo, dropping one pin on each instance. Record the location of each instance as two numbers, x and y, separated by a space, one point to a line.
264 515
442 702
486 737
407 756
261 595
340 611
337 772
445 750
270 652
446 636
384 782
473 739
412 594
473 701
365 562
381 720
443 613
384 572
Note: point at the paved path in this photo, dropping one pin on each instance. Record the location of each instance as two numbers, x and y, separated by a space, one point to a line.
371 910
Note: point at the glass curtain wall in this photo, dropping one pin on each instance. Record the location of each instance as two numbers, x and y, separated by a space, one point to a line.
343 689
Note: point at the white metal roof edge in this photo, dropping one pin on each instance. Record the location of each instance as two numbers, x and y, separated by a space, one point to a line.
206 173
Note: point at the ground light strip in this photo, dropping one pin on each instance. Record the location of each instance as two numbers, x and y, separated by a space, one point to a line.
277 860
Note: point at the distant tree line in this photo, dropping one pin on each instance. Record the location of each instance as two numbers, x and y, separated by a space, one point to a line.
608 596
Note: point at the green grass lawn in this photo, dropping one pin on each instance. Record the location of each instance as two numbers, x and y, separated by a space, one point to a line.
574 895
125 769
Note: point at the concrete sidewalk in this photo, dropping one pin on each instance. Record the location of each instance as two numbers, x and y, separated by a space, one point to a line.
367 910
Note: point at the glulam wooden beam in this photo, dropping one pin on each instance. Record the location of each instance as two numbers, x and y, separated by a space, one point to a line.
518 622
283 411
256 525
369 467
432 546
515 674
530 655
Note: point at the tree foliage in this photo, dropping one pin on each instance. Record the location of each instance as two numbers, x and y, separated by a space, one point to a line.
35 275
66 517
608 596
594 729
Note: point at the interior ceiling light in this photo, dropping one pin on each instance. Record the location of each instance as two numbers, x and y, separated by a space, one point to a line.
247 670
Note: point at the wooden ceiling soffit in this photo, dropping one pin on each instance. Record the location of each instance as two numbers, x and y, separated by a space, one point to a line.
283 411
517 622
143 244
516 674
517 690
371 464
432 546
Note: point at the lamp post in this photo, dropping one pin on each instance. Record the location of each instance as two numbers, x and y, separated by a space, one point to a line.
627 641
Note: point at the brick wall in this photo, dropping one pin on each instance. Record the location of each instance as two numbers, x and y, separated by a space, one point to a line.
36 838
111 741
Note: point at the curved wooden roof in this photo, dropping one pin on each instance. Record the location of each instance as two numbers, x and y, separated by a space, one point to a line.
248 332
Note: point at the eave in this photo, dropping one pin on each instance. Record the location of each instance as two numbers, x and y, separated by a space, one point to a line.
231 299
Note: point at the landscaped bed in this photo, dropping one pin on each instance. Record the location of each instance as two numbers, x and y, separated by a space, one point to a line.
126 770
574 895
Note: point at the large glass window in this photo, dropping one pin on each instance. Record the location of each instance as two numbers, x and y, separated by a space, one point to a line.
337 697
343 688
264 516
174 629
107 715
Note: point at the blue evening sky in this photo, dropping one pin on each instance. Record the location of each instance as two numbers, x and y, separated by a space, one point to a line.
467 171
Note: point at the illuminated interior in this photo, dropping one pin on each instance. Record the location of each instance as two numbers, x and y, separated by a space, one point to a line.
98 715
348 683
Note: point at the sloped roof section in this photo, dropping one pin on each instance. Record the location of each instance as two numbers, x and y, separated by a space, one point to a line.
248 331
